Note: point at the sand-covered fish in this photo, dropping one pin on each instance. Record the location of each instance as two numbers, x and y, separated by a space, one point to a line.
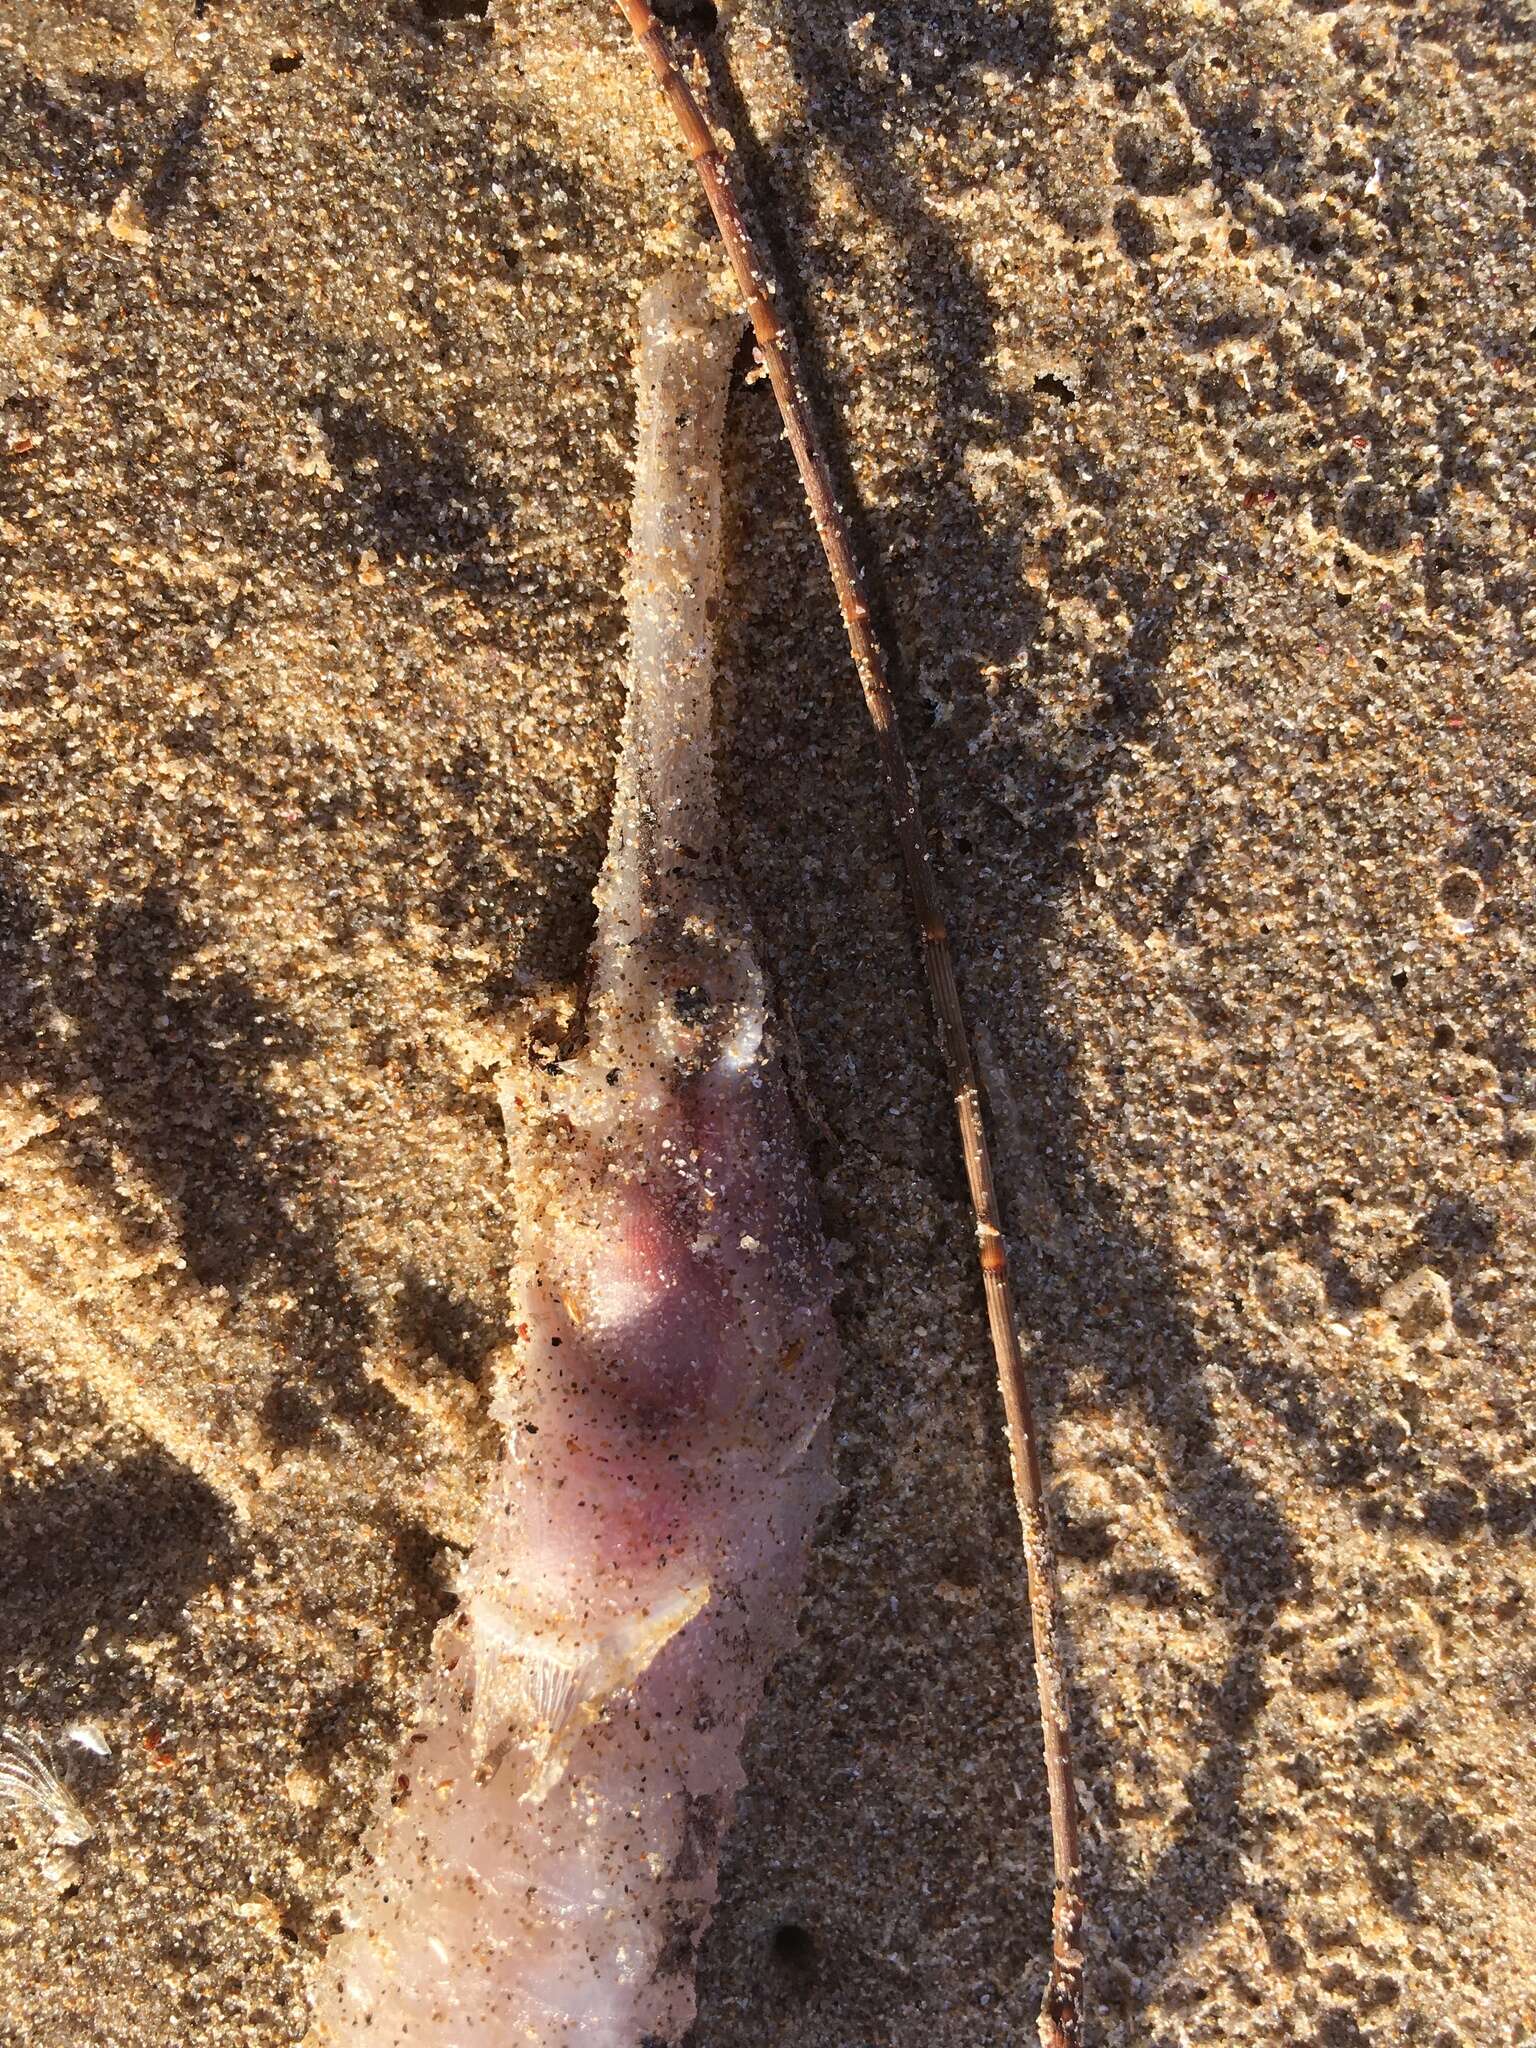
544 1863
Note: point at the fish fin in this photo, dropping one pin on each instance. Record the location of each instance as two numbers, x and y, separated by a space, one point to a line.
542 1690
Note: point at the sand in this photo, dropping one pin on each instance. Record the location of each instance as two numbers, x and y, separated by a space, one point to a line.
1179 359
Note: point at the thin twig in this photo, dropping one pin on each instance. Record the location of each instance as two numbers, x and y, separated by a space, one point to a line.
1061 2009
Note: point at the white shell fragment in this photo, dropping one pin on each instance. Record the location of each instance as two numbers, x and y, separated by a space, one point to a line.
89 1736
30 1785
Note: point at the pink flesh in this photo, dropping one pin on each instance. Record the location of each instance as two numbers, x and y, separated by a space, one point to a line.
544 1863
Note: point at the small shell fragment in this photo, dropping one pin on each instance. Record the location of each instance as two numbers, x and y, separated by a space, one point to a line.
30 1786
89 1735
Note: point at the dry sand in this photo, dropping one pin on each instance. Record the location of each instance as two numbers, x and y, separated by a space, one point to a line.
1181 361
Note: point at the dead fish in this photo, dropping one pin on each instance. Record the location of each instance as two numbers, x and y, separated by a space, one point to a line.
544 1863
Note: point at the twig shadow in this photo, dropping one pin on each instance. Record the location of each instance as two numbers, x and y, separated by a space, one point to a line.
1095 1290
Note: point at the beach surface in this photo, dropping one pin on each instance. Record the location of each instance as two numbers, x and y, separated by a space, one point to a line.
1177 360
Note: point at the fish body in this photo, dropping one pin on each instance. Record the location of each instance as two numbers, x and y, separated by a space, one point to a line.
545 1863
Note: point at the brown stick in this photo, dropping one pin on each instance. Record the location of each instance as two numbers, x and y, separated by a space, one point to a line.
1061 2009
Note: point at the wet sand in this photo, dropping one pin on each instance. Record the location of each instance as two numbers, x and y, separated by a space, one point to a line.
1179 362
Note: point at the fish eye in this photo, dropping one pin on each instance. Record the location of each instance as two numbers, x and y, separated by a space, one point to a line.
693 1004
710 1010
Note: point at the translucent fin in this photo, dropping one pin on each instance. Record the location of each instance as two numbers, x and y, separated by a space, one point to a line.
542 1691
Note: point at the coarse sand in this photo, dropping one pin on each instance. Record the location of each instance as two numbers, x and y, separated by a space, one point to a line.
1179 360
